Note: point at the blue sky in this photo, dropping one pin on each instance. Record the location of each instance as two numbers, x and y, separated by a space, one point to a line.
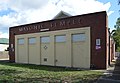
113 17
19 12
5 12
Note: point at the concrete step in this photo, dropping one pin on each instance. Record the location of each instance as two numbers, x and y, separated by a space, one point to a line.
112 72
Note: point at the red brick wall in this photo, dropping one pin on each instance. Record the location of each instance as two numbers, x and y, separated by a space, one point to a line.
97 22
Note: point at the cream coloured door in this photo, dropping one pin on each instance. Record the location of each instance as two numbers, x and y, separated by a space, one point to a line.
80 50
60 50
34 57
45 51
22 56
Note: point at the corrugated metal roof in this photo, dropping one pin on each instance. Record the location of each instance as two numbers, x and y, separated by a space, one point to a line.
4 41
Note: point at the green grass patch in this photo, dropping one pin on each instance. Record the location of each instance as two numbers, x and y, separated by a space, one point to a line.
24 73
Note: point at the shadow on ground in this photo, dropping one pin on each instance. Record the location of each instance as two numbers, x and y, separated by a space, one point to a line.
112 75
39 67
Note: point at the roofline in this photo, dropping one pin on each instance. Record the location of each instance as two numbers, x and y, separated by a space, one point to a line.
57 19
60 13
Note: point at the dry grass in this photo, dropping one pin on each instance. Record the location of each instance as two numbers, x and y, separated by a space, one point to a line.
23 73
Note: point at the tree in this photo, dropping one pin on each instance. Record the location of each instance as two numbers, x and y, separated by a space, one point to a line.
116 35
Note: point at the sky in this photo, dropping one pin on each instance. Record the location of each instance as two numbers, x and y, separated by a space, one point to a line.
20 12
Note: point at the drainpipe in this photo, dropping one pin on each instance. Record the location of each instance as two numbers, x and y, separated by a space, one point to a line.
109 47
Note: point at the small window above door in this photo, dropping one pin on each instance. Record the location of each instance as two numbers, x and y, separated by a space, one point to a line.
21 41
45 39
32 40
60 38
78 37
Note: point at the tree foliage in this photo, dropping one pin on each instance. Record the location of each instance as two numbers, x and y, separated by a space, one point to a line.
116 35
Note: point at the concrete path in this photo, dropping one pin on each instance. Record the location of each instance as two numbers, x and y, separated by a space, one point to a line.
4 60
112 74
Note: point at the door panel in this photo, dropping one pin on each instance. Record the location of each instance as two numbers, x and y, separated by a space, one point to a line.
61 54
45 54
34 58
22 54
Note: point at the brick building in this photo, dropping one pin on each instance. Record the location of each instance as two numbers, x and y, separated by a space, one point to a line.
80 41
